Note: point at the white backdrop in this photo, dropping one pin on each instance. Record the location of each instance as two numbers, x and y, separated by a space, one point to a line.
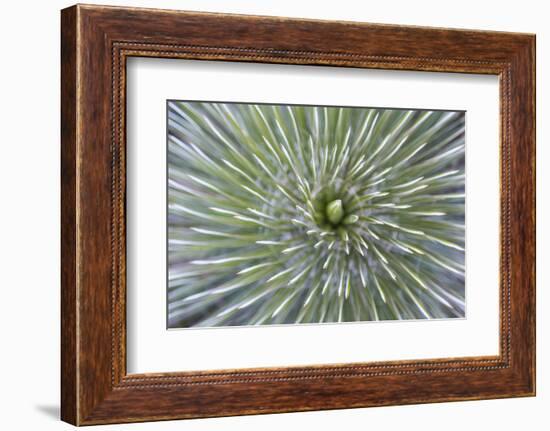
29 228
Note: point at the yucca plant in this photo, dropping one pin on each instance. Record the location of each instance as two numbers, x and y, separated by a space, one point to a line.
283 214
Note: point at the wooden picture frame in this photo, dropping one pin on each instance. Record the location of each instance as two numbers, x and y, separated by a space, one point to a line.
96 41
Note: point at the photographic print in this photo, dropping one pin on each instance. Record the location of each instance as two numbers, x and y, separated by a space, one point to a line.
291 214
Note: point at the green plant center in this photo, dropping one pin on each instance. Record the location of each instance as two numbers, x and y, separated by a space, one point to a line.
336 214
335 211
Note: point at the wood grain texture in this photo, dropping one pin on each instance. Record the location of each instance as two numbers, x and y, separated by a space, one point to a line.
96 41
68 217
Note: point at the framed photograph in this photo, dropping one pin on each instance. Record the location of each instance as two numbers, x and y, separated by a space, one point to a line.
265 215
